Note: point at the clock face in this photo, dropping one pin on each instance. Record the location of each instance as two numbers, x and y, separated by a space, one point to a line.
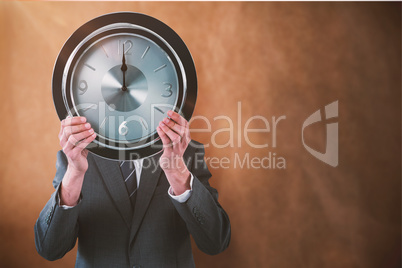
97 87
123 72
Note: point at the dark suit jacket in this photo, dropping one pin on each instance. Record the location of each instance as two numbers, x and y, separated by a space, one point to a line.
157 234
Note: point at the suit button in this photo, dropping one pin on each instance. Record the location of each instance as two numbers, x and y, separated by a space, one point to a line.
201 220
196 212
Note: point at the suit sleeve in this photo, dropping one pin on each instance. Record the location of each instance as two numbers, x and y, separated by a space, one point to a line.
56 229
205 219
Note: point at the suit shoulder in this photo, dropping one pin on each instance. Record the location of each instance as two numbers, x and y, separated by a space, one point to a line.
194 146
196 143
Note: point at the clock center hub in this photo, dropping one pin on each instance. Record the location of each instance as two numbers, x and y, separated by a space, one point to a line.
126 97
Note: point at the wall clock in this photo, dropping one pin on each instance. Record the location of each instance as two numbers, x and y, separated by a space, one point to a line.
123 71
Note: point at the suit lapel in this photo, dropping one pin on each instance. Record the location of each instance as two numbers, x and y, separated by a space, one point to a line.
113 180
149 179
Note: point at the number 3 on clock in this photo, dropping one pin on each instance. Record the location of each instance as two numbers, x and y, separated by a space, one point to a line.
168 90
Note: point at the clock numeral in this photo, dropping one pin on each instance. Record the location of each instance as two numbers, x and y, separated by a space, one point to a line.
168 90
163 108
90 67
123 129
89 107
128 45
144 124
160 68
159 109
82 87
145 52
104 50
102 125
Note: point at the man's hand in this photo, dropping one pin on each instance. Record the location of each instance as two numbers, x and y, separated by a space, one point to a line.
75 134
175 135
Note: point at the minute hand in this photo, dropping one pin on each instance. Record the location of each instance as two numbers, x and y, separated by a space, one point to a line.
124 69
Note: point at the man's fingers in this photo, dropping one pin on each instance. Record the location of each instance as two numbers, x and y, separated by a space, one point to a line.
75 151
84 143
179 129
182 128
173 136
165 139
74 129
71 121
177 124
71 125
178 118
77 138
79 141
61 132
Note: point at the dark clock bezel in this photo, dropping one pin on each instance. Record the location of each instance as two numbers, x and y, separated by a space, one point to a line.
164 31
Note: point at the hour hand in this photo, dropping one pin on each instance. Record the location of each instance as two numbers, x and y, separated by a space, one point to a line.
123 65
124 69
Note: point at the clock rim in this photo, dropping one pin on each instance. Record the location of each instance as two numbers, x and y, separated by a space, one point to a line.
142 20
67 79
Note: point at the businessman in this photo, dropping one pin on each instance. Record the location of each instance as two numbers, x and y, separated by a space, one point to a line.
145 224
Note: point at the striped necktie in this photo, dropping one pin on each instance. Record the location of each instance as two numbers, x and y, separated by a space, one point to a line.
130 178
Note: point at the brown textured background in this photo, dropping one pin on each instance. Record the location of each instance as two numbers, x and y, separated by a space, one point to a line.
276 59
